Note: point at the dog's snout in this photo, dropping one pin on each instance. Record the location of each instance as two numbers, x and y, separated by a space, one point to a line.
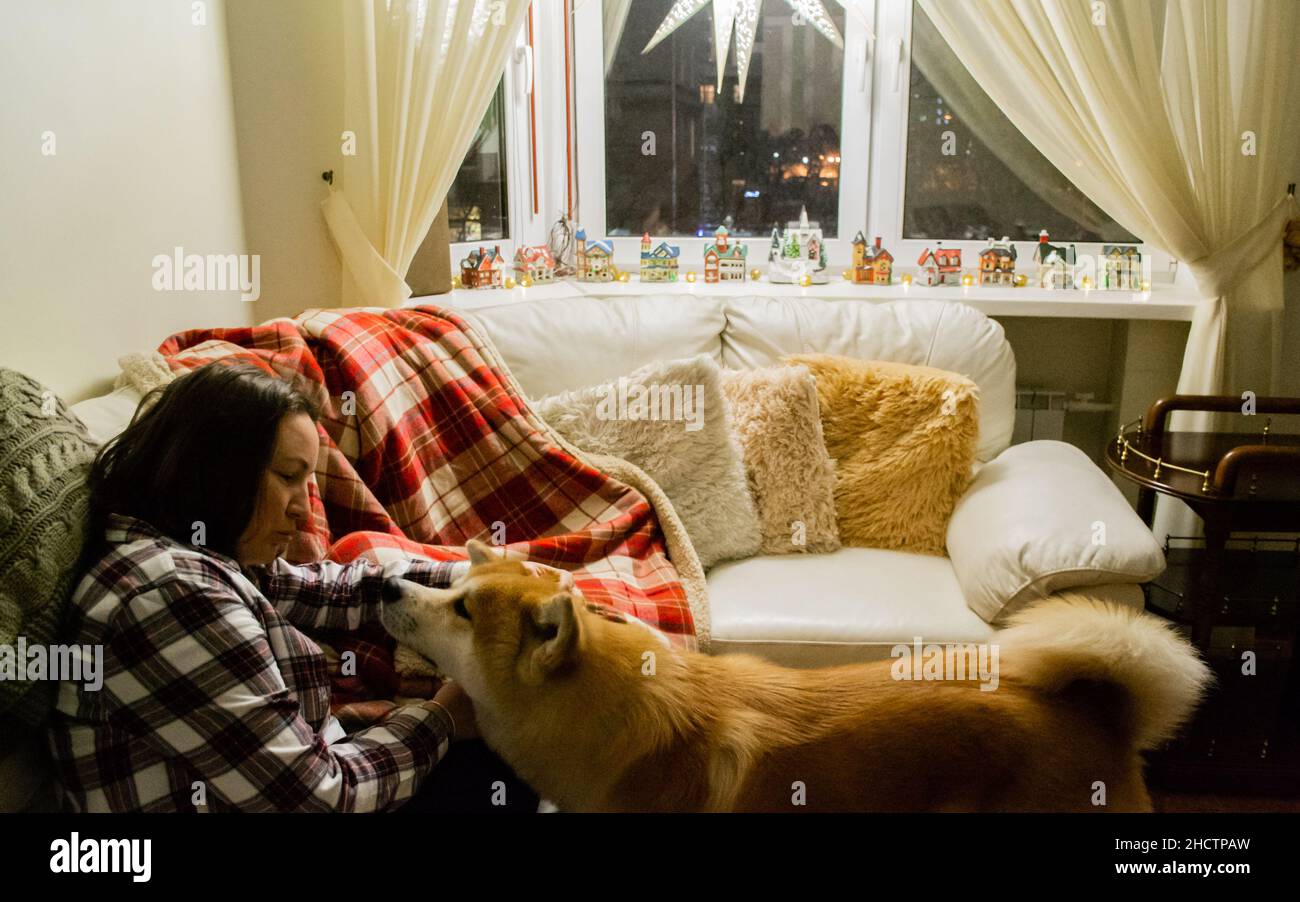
392 590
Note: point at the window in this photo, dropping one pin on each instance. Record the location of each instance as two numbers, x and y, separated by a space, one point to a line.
478 202
970 173
682 157
887 134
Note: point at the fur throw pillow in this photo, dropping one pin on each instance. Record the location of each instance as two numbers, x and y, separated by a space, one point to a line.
776 418
903 438
671 420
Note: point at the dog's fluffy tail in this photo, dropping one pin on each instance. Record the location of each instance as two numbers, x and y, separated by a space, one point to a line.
1072 638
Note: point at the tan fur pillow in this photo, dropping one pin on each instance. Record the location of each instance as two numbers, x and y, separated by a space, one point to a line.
776 418
903 438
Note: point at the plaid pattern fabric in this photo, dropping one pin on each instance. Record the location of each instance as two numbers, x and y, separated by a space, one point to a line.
424 446
207 679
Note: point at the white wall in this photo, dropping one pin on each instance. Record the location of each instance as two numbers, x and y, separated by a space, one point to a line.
286 62
138 99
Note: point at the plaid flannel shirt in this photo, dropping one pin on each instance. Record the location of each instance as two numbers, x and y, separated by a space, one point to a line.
207 679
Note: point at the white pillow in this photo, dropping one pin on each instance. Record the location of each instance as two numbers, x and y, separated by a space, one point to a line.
1042 517
108 415
685 446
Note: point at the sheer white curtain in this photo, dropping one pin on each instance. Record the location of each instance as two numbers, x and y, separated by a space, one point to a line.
1174 117
419 75
977 112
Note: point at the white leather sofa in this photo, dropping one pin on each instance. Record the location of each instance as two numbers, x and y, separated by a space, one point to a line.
856 604
1026 505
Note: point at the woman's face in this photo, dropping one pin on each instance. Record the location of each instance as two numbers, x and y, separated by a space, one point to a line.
282 506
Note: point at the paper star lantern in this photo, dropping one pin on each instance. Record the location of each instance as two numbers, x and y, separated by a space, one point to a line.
741 17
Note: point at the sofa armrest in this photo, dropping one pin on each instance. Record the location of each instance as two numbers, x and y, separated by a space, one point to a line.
1039 518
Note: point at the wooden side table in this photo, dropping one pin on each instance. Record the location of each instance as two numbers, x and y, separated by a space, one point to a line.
1235 482
1244 735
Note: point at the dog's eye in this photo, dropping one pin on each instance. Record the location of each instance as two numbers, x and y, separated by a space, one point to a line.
460 609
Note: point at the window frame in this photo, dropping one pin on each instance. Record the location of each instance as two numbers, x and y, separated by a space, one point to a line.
888 173
524 228
855 134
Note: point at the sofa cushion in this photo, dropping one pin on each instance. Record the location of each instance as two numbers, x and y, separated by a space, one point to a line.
776 418
556 345
685 444
948 336
903 441
853 605
847 607
107 416
45 457
1040 519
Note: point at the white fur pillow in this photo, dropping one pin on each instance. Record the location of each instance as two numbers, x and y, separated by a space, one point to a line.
671 419
776 417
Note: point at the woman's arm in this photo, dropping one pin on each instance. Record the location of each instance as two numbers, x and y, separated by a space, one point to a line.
191 671
329 595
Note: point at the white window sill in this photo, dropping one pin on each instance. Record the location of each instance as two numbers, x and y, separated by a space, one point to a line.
1164 302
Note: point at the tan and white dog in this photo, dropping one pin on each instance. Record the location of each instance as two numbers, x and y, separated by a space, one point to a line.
599 713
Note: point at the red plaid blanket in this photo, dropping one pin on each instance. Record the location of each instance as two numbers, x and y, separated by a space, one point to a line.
424 445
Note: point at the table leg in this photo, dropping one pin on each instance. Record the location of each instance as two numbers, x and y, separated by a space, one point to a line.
1146 506
1210 582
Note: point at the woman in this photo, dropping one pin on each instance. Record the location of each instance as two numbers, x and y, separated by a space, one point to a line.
212 699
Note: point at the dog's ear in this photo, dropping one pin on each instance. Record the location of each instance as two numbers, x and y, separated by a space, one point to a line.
555 622
480 553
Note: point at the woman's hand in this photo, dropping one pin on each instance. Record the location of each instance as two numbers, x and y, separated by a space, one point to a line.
454 700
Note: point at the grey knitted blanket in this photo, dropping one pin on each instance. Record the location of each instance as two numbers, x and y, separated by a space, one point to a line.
45 455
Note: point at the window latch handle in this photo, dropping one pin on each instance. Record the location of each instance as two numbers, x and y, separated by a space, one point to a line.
898 64
864 63
524 55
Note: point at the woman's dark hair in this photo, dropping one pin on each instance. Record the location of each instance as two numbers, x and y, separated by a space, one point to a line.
195 451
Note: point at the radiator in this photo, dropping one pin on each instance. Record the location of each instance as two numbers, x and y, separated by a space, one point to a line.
1039 415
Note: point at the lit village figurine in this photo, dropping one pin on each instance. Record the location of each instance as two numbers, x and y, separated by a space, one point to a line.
872 264
1055 264
723 260
941 266
800 252
998 263
595 259
483 269
1121 268
660 264
535 263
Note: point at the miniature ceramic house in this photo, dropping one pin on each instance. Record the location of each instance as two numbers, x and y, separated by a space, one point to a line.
724 261
872 265
660 264
595 259
483 269
941 266
1055 264
800 252
998 263
1121 268
536 263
